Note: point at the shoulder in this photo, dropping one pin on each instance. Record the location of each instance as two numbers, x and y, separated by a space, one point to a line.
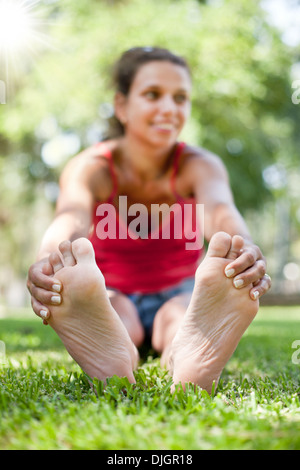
90 169
94 157
198 163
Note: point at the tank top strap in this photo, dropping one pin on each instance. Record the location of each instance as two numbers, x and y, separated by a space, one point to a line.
106 152
176 159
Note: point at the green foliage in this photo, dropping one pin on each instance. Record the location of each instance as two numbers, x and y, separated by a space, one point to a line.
46 402
240 68
242 107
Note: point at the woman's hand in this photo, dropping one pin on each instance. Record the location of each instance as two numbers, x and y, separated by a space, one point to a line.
44 288
250 268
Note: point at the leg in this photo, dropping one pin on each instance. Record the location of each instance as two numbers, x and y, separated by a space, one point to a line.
128 313
215 320
166 324
86 322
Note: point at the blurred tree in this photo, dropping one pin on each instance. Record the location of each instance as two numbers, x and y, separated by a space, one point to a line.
242 108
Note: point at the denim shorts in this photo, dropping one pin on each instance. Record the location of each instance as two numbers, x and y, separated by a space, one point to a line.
147 305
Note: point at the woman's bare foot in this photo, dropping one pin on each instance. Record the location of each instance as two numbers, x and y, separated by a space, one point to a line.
87 324
215 320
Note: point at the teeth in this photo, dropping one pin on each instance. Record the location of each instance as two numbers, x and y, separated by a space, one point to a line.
165 126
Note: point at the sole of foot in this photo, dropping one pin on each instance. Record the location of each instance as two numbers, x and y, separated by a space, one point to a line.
215 320
85 320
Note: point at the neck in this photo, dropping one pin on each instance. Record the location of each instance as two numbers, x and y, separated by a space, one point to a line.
147 163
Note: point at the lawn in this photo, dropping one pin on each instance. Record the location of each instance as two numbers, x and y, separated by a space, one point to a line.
47 403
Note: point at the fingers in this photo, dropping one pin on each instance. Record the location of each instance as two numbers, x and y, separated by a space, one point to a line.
45 297
251 275
39 275
261 287
44 288
247 258
40 310
249 269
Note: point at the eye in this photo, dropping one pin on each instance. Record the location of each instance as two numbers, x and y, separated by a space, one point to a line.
152 94
180 98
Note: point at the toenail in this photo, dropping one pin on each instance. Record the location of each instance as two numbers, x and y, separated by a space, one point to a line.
229 272
55 299
56 287
238 283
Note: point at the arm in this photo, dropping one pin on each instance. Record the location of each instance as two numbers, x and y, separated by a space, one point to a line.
211 187
79 185
72 216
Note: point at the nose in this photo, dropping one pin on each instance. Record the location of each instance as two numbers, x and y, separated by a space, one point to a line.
167 104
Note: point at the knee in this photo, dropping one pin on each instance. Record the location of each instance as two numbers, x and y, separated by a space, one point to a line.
129 316
165 324
137 335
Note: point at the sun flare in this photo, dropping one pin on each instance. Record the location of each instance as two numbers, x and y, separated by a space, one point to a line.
22 36
15 26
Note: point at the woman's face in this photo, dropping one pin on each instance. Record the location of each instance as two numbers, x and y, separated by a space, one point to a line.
158 103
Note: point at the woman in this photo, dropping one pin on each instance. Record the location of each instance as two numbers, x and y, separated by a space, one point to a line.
137 276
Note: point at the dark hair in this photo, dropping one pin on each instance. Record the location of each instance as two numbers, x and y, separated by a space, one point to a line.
127 67
131 60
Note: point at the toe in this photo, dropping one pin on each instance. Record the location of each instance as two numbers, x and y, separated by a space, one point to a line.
56 262
236 247
83 250
47 269
219 245
66 250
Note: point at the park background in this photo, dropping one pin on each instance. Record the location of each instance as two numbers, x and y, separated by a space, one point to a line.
245 61
56 99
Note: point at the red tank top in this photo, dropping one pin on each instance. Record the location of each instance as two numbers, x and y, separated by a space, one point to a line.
146 261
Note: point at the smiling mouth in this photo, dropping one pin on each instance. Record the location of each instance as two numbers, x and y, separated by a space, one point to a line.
165 126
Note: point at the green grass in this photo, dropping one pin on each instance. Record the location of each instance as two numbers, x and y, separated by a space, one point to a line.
46 402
